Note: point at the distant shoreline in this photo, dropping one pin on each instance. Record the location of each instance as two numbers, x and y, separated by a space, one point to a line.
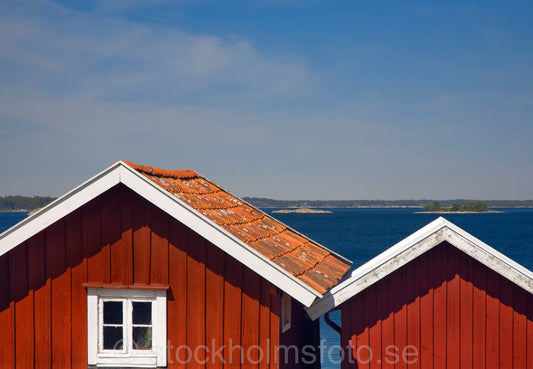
266 203
461 212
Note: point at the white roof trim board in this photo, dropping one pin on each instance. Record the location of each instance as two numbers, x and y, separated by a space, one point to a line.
405 251
120 172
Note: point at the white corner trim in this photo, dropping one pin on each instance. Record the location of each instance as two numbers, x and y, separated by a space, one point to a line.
416 244
120 172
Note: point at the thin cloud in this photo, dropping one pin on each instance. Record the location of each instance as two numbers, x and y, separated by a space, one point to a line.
107 58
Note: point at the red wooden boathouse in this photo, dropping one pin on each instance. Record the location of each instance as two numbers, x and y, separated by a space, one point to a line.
144 267
441 298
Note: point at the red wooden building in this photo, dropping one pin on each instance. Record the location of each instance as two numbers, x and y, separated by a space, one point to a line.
143 267
438 299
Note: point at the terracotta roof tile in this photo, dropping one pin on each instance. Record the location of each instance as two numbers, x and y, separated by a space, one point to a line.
273 246
300 256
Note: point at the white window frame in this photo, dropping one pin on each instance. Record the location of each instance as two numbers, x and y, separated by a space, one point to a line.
286 312
96 355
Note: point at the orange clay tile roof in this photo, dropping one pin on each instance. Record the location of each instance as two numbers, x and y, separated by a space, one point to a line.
303 258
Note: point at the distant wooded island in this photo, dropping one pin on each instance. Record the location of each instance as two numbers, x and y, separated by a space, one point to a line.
28 203
467 207
24 203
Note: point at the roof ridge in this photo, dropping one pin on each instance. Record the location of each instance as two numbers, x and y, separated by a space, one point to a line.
169 173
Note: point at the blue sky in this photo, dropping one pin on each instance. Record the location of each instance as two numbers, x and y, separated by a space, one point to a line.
285 99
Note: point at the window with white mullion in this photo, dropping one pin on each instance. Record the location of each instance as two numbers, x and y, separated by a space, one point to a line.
141 325
112 328
126 327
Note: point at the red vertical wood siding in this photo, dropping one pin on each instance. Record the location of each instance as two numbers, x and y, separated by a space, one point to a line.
56 265
141 241
479 283
177 295
387 324
7 348
413 314
23 307
250 316
120 238
519 328
466 312
42 306
264 324
439 310
232 312
214 306
426 314
453 309
196 298
530 331
117 233
77 261
159 249
446 307
275 313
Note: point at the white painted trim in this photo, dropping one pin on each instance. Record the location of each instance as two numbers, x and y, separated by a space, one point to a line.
132 358
416 244
120 172
92 329
286 313
59 208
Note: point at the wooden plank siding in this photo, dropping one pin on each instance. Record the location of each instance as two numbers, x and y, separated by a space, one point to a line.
121 239
7 348
442 310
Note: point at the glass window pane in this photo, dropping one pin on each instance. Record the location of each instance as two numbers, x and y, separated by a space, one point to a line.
112 338
142 338
112 312
142 312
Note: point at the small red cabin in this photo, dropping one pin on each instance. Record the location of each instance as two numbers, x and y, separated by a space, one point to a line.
144 267
438 299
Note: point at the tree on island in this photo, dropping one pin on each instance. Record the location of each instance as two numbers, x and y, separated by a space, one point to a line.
10 203
455 207
469 206
435 206
475 206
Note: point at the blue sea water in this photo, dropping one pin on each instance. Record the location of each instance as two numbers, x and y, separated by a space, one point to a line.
361 234
8 219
